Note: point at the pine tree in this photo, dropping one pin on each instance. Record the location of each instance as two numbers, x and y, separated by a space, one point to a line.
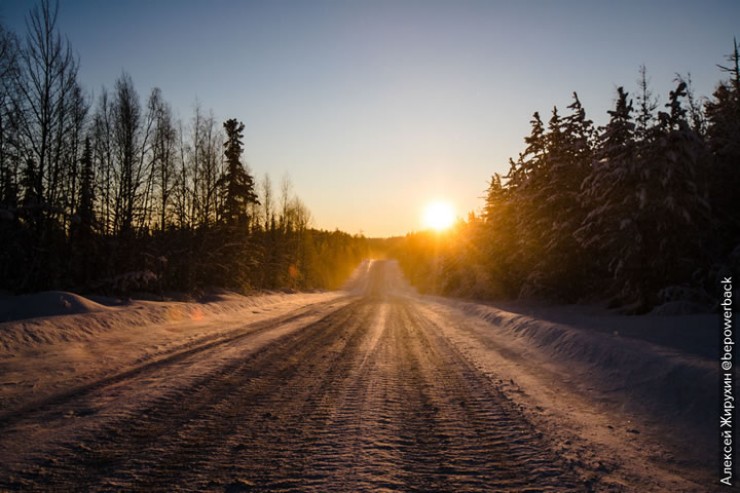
613 193
498 240
538 196
83 232
646 106
723 141
86 207
676 198
238 185
240 259
553 211
525 178
580 134
531 160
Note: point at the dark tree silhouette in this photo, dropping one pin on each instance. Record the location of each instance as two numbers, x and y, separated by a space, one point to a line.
611 231
237 183
723 140
83 229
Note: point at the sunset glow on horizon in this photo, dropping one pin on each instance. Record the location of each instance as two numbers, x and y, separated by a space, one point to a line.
438 215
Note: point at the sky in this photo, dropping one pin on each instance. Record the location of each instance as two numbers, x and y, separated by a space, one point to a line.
375 108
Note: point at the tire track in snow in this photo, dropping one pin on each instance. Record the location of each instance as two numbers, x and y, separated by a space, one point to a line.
159 361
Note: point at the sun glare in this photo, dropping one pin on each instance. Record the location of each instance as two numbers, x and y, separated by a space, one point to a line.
439 216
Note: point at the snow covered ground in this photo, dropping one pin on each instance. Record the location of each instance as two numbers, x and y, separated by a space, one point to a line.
628 402
55 340
611 391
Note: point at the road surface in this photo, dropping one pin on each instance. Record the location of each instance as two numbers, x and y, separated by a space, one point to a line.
359 393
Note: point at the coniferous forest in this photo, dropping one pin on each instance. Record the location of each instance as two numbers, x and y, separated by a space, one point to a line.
640 212
113 194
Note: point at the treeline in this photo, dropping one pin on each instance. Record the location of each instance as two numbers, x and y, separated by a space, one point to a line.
640 212
114 194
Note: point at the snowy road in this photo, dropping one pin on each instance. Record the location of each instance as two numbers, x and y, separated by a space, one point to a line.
355 393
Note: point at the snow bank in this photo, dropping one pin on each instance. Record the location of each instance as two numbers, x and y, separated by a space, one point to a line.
652 377
48 303
55 316
45 355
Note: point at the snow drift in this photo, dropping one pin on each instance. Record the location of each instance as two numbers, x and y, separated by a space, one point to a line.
45 304
55 316
653 378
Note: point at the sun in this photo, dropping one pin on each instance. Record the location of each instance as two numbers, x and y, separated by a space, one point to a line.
438 215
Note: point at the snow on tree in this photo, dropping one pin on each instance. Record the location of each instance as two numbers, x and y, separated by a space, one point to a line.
549 205
614 197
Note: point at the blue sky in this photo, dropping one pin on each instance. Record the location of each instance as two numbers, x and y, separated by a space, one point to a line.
374 108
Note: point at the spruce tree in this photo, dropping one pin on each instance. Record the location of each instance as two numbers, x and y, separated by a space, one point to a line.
83 228
723 141
524 181
239 258
611 233
238 185
86 207
674 201
554 208
647 104
498 236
